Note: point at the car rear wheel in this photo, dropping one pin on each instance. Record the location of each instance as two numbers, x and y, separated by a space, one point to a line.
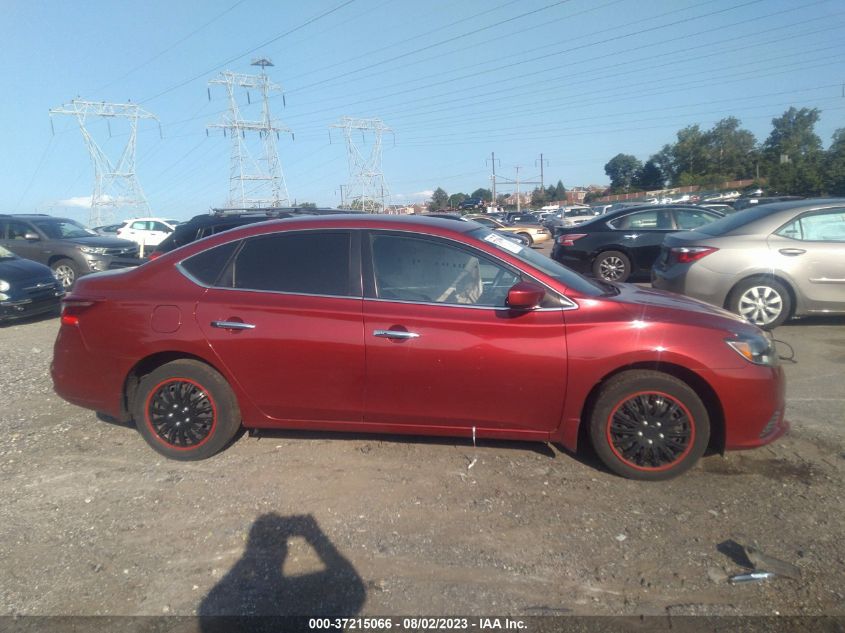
186 410
612 266
67 272
649 425
764 302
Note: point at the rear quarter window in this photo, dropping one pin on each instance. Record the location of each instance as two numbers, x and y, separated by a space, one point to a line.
207 266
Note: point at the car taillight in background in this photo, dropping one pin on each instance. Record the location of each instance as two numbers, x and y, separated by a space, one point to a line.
73 308
569 240
689 254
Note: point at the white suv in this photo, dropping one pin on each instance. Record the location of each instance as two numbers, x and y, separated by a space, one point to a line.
147 232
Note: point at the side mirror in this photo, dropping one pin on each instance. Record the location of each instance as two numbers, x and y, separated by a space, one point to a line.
31 236
525 296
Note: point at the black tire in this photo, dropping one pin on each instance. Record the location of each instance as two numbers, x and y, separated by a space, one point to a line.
764 302
612 266
631 418
527 236
197 392
67 270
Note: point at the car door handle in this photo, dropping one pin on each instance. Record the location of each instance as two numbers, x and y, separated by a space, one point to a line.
632 236
792 251
232 325
395 334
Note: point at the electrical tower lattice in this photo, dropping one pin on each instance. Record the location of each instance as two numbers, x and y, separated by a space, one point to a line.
116 186
367 188
253 182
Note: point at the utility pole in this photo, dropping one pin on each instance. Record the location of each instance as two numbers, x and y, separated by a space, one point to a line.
366 178
492 160
542 162
341 196
518 200
253 182
116 185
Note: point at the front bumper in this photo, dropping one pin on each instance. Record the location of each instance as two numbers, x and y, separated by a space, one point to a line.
99 263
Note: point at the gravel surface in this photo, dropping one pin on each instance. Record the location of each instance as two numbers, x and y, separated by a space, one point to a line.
93 522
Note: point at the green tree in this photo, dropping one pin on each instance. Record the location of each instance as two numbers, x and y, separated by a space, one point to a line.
664 160
539 197
456 198
484 194
793 153
689 155
560 191
308 205
650 177
730 151
621 170
834 173
439 199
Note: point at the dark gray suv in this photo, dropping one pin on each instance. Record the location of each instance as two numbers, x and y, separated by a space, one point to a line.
65 246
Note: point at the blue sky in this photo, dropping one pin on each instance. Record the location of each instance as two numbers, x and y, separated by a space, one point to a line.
576 80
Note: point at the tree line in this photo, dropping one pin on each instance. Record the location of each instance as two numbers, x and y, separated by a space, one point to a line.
792 159
440 199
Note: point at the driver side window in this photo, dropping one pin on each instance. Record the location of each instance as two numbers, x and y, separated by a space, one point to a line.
434 271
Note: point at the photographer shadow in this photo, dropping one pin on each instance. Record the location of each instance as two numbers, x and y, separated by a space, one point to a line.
257 586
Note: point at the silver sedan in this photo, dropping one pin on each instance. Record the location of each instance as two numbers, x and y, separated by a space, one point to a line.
766 263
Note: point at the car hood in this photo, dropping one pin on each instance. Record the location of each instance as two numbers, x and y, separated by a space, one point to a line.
649 304
18 269
99 241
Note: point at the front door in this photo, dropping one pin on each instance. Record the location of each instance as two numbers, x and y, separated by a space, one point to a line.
443 350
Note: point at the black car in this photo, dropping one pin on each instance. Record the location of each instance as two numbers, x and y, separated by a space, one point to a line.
625 242
27 288
220 220
472 203
64 245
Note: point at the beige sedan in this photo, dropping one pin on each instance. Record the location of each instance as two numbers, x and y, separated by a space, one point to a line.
534 233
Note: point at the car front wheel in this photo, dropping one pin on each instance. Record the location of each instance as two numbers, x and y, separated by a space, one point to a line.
649 425
67 272
764 302
186 410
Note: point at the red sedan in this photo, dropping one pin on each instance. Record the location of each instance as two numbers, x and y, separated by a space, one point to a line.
411 325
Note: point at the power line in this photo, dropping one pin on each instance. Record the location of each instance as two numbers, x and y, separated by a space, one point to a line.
205 73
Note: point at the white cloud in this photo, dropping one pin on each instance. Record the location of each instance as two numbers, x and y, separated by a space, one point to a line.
418 196
77 201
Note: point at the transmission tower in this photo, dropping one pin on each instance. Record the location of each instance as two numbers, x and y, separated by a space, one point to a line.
366 189
116 187
253 182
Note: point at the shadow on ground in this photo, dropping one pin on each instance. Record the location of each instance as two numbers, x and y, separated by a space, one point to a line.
256 584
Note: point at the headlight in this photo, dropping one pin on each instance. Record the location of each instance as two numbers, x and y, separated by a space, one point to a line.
4 285
91 250
755 349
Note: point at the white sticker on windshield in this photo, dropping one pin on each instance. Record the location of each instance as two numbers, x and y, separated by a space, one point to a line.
503 242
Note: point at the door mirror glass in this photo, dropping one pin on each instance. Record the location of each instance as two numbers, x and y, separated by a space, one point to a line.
525 296
31 236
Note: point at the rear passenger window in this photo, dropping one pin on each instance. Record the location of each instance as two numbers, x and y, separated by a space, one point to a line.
206 267
315 263
821 226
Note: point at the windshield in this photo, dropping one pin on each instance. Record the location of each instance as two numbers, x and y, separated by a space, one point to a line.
63 229
5 253
550 267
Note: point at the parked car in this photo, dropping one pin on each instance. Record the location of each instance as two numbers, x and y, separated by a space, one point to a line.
27 288
569 217
535 234
147 232
367 323
624 243
513 237
64 245
720 207
750 201
767 263
220 220
472 203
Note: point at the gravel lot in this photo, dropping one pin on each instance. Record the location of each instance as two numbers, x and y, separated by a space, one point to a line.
94 522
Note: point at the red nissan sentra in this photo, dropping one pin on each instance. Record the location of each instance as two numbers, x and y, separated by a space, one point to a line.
411 325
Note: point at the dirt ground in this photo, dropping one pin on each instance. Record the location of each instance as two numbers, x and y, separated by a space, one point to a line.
93 522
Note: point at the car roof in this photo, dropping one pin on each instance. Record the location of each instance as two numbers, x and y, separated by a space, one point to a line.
769 214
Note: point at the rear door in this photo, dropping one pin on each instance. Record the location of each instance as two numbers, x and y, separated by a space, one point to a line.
443 350
641 233
12 234
285 319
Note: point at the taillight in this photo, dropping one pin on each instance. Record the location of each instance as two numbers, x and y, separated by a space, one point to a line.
689 254
569 240
73 308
